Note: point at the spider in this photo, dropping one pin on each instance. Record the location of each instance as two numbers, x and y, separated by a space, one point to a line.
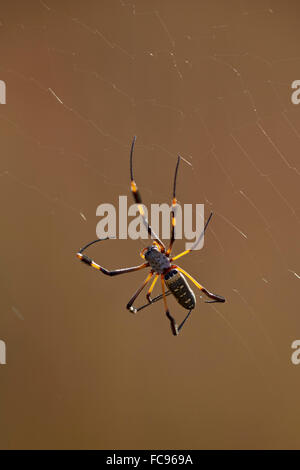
159 259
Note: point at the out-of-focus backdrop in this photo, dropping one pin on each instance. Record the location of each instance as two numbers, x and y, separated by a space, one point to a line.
210 80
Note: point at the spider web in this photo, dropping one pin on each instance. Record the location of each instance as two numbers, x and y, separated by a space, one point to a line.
213 83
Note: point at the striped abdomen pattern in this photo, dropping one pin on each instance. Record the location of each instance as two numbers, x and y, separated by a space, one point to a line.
179 287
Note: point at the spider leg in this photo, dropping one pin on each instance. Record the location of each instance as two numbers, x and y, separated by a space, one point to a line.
185 319
85 259
137 293
151 288
173 323
174 202
156 299
130 305
138 201
217 298
196 242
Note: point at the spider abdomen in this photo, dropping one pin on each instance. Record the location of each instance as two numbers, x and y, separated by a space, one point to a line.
179 287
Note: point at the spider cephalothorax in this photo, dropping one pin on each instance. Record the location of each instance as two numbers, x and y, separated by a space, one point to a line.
160 262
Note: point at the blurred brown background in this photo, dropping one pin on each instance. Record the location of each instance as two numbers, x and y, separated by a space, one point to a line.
211 80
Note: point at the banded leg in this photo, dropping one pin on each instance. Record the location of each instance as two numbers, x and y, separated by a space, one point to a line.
150 300
174 202
196 242
137 293
151 289
138 201
217 298
87 260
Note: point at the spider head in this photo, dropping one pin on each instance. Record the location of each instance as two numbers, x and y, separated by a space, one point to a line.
149 249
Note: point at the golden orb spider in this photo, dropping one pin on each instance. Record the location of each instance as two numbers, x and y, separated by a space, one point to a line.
158 259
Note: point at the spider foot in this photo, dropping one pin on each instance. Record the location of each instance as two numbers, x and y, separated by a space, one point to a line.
132 309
